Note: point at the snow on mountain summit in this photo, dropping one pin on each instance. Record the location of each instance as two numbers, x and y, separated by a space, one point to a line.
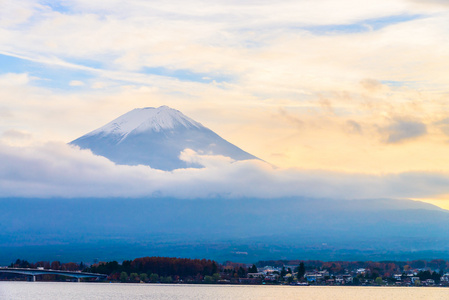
156 137
148 118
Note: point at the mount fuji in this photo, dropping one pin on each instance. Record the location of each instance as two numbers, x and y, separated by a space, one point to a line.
156 137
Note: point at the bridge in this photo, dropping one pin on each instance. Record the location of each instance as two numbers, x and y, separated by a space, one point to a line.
34 272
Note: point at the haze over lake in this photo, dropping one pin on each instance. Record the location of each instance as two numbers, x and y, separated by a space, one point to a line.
100 291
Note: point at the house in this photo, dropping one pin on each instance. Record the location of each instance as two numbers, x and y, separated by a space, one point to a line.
397 276
339 279
414 278
445 278
343 279
255 275
312 276
315 276
271 277
361 271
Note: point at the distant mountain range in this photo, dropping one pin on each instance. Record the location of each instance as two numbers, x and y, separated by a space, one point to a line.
241 230
156 137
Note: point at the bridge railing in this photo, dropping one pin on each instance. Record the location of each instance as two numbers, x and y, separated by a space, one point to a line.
39 271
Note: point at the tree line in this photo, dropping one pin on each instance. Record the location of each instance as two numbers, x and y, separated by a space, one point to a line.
54 265
158 269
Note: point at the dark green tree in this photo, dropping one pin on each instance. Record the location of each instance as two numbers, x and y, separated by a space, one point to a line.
123 277
167 279
143 277
154 277
241 272
214 268
134 277
252 269
301 270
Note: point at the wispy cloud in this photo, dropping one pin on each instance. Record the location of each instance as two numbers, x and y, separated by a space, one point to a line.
16 134
400 130
354 127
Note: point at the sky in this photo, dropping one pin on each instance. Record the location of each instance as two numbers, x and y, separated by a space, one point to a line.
347 95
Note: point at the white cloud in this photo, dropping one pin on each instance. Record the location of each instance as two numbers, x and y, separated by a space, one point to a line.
14 79
59 170
76 83
99 85
14 13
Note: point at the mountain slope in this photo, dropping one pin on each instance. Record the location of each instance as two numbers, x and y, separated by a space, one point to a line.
156 137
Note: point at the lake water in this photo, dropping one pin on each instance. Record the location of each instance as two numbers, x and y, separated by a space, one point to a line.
80 290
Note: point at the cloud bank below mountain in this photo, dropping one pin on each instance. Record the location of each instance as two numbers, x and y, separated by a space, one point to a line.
59 170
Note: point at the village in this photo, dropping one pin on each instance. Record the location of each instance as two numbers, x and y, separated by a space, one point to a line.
297 275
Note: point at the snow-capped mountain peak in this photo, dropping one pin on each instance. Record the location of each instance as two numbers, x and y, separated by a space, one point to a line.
147 119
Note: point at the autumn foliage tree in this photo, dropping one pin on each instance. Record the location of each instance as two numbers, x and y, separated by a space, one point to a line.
163 267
